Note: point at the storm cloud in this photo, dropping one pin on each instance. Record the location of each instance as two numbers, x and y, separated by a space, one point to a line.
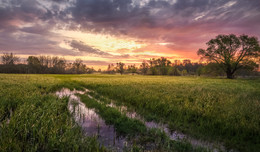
138 18
28 26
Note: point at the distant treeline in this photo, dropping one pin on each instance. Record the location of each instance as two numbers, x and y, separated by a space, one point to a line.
159 66
163 66
42 65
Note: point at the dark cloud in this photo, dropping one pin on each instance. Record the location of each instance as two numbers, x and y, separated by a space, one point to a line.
27 25
26 28
88 50
59 1
37 29
26 11
34 44
122 17
81 47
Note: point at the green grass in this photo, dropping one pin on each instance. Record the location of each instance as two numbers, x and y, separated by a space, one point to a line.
123 125
135 130
212 109
34 119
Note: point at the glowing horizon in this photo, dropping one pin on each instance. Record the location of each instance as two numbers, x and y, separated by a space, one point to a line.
104 32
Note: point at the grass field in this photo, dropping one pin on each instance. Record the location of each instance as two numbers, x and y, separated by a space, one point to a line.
32 118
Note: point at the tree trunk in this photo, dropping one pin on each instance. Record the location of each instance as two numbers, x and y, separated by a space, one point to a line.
229 74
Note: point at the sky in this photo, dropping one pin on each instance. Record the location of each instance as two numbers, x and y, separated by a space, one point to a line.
101 32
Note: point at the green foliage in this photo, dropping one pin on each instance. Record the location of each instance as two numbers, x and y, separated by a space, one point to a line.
184 72
159 66
123 125
32 118
232 53
132 69
212 69
120 67
218 109
43 65
135 130
174 71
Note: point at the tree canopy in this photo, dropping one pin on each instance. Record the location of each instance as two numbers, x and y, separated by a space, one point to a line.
120 67
232 53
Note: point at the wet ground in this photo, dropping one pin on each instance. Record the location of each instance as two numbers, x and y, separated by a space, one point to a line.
93 125
174 135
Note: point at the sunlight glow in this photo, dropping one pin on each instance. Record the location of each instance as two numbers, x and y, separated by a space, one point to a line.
99 41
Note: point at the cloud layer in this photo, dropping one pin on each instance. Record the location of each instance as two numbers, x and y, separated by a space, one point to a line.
173 27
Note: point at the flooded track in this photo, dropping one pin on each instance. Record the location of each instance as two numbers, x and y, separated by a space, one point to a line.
90 122
93 125
174 135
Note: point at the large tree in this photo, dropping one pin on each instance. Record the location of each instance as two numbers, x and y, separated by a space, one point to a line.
232 53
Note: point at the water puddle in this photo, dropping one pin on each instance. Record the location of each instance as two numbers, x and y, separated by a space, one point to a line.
174 135
91 123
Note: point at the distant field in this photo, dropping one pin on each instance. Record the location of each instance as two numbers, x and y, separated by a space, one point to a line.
33 118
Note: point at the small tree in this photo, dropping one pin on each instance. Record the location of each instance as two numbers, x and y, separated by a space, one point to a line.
34 64
9 59
144 67
58 65
111 69
184 72
78 66
132 69
163 65
174 71
120 67
231 52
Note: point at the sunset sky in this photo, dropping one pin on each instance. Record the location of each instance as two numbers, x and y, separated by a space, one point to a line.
101 32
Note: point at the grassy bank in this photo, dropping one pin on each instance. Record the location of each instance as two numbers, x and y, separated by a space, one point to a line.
135 131
32 118
214 109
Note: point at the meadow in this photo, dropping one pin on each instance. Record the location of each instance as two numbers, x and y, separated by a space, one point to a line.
217 110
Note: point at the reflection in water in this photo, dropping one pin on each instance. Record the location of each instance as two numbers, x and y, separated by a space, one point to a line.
149 124
91 123
174 135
